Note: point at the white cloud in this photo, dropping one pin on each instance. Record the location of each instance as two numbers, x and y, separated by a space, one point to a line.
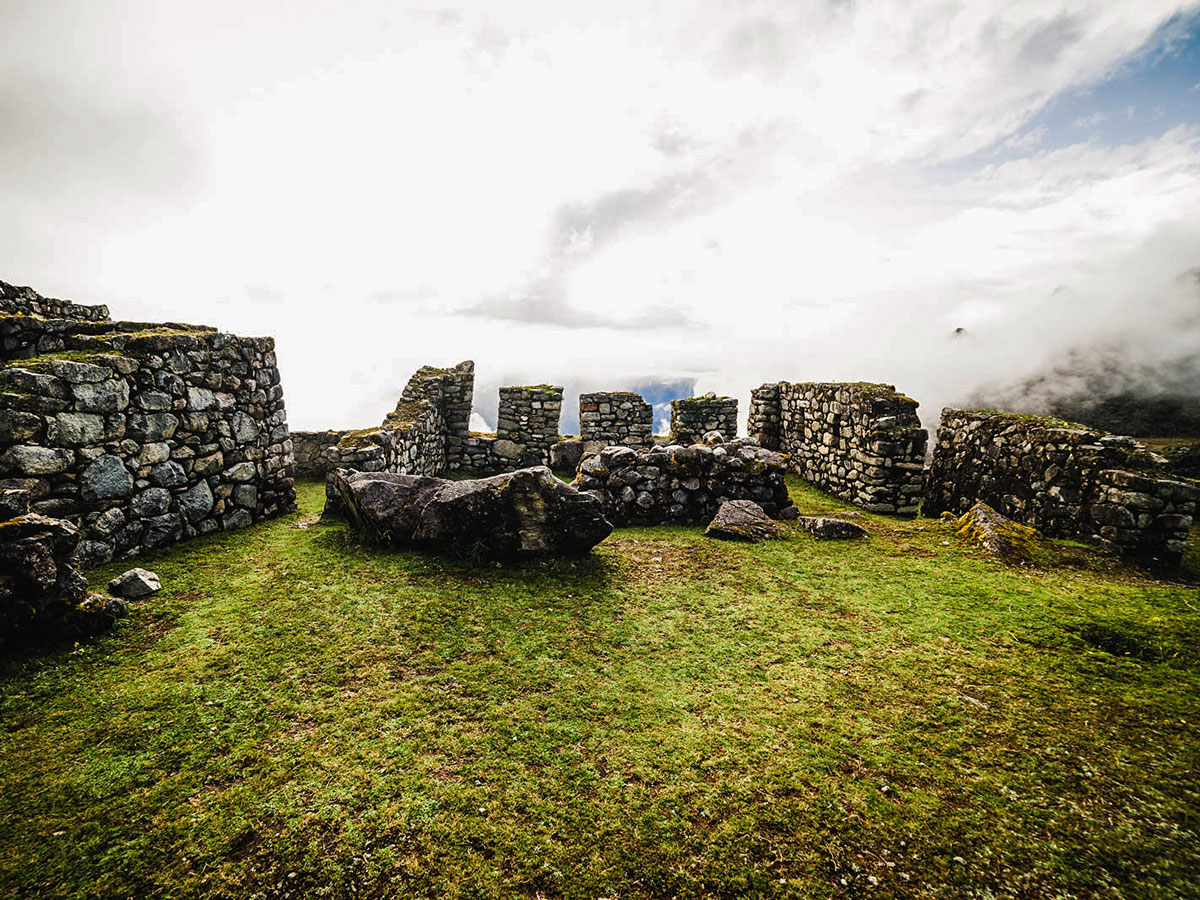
776 172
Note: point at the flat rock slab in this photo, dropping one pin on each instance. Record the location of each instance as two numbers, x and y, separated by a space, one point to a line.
831 529
741 520
523 514
134 584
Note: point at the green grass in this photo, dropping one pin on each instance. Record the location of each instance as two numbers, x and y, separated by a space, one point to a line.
299 715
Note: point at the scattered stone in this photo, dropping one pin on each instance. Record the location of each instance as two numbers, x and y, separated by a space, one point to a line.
831 529
41 592
999 535
522 514
741 520
134 584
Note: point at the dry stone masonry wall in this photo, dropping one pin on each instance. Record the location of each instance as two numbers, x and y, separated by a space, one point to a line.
142 436
528 417
451 391
1067 481
616 417
683 485
862 442
694 417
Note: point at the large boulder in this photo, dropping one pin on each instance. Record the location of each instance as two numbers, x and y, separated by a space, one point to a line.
741 520
521 514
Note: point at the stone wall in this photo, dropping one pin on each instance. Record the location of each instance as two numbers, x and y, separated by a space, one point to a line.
616 417
452 392
683 485
24 301
1067 481
528 417
693 417
861 442
145 437
411 441
310 451
762 423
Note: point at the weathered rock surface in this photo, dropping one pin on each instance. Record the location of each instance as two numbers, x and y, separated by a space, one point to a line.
41 592
526 513
831 529
565 455
134 584
741 520
999 535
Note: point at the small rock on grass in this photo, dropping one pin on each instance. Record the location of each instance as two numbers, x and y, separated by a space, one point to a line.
831 529
134 584
741 520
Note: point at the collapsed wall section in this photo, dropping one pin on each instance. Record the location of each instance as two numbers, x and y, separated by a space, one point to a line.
859 441
616 417
694 417
1067 481
145 437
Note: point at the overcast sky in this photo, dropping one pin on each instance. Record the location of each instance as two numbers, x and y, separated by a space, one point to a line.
608 193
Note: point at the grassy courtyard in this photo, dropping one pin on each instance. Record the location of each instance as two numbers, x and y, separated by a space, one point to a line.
297 715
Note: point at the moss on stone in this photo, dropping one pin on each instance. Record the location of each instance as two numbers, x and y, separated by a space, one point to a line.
406 413
359 438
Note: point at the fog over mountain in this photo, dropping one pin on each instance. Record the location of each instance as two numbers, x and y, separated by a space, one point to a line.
703 194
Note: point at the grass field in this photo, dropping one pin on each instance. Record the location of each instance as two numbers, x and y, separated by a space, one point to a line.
297 715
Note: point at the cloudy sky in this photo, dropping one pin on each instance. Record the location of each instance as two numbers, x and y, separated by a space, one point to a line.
605 194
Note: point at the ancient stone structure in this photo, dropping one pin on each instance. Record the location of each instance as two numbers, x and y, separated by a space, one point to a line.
139 434
309 448
451 391
427 433
861 442
516 515
412 439
762 422
528 417
616 417
678 484
694 417
1067 481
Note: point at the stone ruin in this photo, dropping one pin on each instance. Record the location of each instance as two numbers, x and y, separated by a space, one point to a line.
120 437
139 434
694 417
1067 481
616 417
683 485
862 442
